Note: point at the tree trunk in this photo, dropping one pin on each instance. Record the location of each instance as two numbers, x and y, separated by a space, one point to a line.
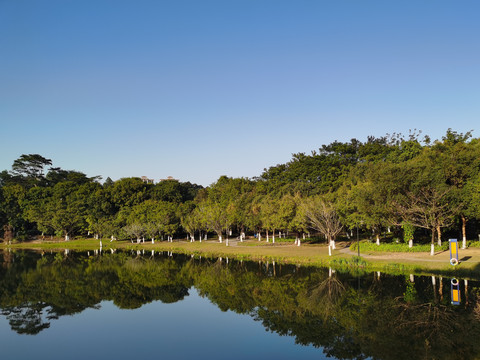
267 235
464 232
466 292
273 236
378 239
439 233
440 288
332 244
410 243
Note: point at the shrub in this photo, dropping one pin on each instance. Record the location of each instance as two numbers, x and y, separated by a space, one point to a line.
392 247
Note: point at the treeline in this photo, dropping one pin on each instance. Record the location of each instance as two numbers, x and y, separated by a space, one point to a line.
396 184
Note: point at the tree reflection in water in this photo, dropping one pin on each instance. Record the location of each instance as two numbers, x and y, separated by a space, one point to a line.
387 317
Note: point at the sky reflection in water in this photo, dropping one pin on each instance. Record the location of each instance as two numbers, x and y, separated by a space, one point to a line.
188 329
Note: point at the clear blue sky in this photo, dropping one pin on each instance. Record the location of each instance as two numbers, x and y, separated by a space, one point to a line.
196 89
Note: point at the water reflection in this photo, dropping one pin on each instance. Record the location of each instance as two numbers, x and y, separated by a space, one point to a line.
346 317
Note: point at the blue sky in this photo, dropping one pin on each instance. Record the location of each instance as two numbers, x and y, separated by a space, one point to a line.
196 89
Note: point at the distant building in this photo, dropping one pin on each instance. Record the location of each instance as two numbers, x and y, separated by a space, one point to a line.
169 178
146 180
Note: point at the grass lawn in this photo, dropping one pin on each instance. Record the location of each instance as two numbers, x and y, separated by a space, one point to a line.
287 252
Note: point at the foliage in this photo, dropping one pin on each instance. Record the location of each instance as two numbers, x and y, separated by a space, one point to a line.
408 231
393 247
381 183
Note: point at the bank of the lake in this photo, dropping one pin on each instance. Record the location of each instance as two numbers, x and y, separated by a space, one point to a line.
286 252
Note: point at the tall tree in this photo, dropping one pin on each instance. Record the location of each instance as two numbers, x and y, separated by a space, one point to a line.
323 217
31 167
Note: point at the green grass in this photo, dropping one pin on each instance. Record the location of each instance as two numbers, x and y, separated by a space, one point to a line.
307 254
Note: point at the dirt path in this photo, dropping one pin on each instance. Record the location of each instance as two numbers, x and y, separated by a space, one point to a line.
471 255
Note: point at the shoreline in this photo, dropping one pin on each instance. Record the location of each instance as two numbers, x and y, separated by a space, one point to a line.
306 255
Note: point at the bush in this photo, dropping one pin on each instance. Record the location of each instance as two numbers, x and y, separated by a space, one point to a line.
472 243
393 247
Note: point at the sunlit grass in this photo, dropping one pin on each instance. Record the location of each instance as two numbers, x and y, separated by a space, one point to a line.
306 254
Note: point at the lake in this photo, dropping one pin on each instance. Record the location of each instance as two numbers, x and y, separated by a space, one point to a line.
160 305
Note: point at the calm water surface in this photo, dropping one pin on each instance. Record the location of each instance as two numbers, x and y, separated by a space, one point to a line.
129 305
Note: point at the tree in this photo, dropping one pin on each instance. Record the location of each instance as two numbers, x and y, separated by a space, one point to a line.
156 217
214 217
459 162
12 196
135 229
323 217
190 220
426 208
66 208
31 167
35 208
270 213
